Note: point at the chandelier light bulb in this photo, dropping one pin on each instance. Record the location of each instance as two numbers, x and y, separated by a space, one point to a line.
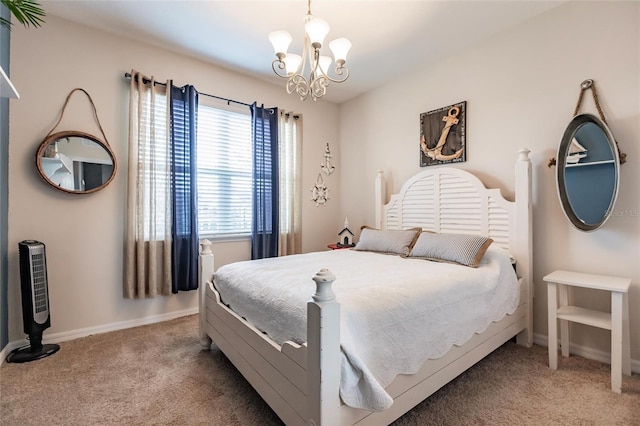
280 41
340 47
317 29
292 62
324 62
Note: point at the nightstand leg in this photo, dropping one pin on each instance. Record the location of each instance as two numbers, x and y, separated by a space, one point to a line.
563 291
626 337
616 341
552 308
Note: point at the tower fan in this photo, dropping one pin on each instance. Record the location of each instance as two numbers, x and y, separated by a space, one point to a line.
35 302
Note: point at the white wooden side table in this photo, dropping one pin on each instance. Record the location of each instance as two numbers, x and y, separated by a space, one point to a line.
617 321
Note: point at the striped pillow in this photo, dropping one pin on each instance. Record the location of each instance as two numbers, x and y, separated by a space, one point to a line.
463 249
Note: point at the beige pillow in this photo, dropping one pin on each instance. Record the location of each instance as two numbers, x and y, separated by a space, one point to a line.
387 241
463 249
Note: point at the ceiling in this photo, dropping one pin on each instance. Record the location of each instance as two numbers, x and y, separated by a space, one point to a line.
389 37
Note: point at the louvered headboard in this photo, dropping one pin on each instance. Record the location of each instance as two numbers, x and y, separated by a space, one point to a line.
451 200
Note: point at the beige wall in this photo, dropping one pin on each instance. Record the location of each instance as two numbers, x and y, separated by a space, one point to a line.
521 89
84 234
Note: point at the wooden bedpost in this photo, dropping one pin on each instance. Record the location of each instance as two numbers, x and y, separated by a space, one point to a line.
381 195
323 353
205 274
523 249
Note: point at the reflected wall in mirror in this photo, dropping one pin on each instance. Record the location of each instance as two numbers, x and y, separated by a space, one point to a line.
75 162
588 172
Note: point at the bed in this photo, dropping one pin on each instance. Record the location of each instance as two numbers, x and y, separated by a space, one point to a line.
301 380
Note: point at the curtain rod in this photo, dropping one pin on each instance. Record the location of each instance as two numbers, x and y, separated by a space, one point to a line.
146 80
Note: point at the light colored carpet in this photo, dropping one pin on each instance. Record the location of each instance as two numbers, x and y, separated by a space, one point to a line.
158 374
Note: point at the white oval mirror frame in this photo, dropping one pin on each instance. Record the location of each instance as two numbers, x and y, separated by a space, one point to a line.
588 172
75 162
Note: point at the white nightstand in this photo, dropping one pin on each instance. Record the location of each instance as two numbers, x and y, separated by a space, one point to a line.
617 321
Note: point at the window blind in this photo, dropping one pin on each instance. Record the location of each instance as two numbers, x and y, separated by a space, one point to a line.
224 171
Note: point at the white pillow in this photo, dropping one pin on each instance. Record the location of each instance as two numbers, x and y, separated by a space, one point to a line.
463 249
387 241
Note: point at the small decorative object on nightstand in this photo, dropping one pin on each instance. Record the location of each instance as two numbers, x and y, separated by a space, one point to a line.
617 321
337 247
346 236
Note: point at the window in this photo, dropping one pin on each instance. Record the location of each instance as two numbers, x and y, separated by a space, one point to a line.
224 170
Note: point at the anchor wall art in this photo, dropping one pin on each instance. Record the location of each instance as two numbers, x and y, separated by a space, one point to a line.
320 191
443 137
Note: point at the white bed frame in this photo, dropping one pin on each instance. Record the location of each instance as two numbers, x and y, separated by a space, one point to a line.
301 382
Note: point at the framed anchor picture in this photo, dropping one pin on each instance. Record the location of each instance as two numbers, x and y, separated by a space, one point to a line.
443 135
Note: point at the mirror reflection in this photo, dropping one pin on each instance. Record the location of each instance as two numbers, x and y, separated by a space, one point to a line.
588 172
75 162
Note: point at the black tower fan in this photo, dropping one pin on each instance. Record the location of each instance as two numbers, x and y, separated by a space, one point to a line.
35 302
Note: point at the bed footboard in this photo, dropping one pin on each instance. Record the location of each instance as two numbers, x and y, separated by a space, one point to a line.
306 378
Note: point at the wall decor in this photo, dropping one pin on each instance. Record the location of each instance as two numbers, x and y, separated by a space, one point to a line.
588 167
320 192
74 161
327 167
443 137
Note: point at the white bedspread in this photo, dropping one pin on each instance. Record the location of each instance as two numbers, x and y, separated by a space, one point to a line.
395 312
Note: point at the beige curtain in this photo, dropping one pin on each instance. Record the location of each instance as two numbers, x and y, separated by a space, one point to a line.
290 165
148 231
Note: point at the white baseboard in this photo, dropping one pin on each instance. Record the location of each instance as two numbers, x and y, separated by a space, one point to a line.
84 332
585 352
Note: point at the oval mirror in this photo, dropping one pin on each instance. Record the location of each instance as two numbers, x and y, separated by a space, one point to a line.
75 162
588 172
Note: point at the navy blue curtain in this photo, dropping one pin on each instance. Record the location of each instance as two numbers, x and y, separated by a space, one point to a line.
264 235
184 230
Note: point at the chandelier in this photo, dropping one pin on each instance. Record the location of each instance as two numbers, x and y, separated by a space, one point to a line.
293 67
